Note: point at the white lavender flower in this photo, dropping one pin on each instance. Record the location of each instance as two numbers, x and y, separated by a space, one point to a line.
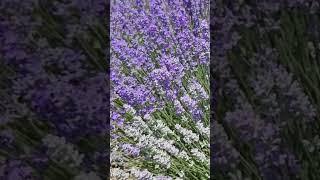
184 155
117 173
162 157
163 128
115 155
188 136
203 130
200 155
141 174
168 146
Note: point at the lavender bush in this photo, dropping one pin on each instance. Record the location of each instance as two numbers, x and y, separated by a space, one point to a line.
160 89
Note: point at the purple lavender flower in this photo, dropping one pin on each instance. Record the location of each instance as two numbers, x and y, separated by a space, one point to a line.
130 149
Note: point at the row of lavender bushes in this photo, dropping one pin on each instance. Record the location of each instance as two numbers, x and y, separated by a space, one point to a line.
160 89
265 62
54 95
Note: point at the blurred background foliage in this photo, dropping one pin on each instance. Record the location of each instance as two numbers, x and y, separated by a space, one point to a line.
54 89
267 72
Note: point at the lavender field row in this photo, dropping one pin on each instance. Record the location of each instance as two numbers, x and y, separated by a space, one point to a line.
160 90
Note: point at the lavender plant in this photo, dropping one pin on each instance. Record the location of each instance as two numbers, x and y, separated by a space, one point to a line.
160 89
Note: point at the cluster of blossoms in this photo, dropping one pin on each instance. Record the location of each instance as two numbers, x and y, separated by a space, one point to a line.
55 107
160 89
